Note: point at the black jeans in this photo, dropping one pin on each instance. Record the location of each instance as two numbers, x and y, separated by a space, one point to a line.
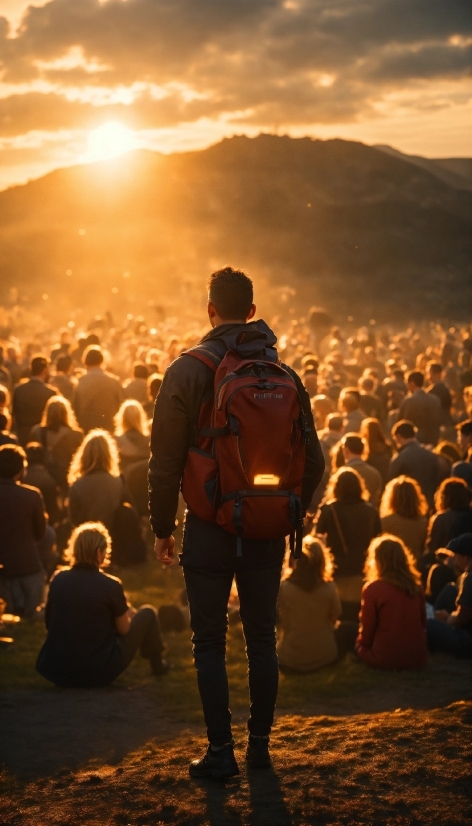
144 634
210 563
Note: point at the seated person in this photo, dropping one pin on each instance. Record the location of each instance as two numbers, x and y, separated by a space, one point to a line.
37 475
93 632
440 575
393 612
308 608
452 631
22 526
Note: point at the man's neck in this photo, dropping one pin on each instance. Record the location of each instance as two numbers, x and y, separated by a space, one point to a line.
408 442
221 322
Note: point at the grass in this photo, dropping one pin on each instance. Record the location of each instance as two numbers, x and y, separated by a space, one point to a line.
178 691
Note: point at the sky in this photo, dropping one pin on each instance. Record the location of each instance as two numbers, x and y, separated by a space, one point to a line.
82 80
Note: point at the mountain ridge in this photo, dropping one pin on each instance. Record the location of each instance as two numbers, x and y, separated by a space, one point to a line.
344 223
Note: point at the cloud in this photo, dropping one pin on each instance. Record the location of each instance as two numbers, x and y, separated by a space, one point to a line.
157 64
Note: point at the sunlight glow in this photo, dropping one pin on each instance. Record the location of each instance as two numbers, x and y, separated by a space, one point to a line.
109 141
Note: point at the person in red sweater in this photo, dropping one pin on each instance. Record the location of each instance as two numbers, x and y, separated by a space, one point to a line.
392 633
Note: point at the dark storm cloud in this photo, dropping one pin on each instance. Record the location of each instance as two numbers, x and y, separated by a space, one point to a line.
319 60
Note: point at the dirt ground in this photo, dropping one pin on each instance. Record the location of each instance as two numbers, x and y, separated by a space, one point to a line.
114 756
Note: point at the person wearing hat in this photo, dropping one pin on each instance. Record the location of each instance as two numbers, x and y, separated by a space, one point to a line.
452 632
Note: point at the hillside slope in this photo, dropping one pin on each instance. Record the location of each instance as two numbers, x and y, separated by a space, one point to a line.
347 225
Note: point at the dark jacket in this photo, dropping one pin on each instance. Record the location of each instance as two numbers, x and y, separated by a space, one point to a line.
185 384
97 399
445 525
22 525
441 391
38 476
29 401
359 523
421 464
424 410
95 497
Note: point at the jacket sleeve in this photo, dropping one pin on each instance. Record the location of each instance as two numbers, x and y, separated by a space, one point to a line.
314 459
170 439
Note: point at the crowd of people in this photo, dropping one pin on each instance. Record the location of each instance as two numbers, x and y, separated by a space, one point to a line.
386 567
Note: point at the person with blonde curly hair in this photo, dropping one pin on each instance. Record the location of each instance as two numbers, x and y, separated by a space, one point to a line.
60 436
93 631
132 433
392 632
308 608
96 487
404 513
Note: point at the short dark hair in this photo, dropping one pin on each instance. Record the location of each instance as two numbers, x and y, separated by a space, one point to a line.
354 444
231 293
12 461
416 378
35 453
93 356
140 370
39 363
435 367
465 427
63 364
405 429
367 383
334 422
154 384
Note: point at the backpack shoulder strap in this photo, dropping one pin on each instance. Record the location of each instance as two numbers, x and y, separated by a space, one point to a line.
209 353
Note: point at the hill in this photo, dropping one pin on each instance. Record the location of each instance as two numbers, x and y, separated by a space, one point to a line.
456 172
345 224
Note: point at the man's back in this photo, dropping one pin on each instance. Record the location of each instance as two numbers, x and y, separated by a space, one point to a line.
353 421
29 401
22 525
424 410
97 399
186 383
371 477
419 463
371 406
441 391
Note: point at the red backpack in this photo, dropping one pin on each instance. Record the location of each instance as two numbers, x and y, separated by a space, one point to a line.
245 471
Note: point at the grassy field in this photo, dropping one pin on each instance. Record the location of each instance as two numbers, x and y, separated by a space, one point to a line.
350 745
348 680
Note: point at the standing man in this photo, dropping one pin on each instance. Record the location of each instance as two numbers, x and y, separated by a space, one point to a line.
421 408
98 395
30 397
211 557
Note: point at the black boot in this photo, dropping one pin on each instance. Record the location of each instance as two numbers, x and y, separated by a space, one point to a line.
257 753
218 764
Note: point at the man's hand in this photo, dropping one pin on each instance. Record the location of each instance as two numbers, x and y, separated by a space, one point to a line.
439 615
164 550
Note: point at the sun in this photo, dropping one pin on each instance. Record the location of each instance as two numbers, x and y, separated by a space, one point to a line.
109 141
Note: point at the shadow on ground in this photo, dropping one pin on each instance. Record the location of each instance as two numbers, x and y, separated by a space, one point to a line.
407 768
46 730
